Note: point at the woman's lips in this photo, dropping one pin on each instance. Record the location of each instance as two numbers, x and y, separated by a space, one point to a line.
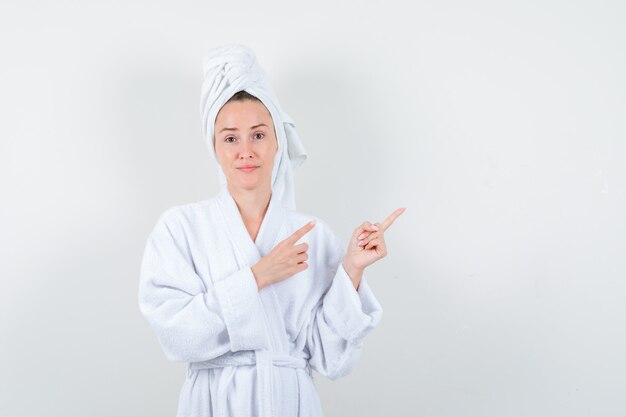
250 169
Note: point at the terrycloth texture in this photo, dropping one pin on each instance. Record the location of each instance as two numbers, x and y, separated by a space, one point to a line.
231 68
250 352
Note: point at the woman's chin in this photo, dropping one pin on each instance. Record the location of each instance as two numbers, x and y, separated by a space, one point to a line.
249 185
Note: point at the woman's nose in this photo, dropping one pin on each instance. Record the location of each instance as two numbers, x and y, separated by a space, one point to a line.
246 151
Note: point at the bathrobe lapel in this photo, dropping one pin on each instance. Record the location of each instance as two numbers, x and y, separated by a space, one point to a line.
248 253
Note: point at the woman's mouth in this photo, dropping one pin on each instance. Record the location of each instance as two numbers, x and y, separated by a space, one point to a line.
247 169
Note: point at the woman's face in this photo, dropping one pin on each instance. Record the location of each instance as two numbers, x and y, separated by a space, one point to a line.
245 144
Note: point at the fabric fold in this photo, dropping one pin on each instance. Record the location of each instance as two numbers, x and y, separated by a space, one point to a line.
242 310
193 320
353 314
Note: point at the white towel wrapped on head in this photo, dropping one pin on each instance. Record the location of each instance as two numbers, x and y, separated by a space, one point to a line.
229 69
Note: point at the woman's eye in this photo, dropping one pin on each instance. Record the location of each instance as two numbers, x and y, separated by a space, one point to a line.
262 135
228 139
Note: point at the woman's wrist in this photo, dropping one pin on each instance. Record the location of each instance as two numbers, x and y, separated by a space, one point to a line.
355 274
260 282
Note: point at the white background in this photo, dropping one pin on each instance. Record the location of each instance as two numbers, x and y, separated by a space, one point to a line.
501 127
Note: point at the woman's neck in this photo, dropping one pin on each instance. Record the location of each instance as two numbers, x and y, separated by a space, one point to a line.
252 204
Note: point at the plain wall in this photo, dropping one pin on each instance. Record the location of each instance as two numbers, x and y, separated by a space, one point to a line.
499 125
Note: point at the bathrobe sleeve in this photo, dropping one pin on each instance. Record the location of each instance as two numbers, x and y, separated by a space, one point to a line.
342 318
193 323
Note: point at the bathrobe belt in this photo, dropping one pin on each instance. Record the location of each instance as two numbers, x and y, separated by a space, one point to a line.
264 360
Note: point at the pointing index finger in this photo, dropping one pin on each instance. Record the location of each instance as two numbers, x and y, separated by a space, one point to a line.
300 232
391 218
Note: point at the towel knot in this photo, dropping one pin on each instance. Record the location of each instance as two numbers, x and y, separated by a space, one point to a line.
232 65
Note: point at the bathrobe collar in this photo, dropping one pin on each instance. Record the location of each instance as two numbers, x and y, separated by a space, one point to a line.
249 250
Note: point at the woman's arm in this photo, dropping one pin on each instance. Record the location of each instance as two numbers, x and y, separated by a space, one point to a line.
341 319
193 323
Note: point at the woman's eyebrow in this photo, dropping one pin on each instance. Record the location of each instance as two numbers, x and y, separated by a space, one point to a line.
234 128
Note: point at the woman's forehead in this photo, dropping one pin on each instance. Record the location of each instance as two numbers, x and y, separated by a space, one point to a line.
244 114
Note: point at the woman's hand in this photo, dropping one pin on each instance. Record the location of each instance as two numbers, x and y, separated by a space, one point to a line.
367 246
285 260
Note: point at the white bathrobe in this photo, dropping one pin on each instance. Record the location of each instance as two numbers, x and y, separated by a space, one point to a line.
250 352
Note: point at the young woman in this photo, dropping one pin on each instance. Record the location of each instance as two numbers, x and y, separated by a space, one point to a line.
249 292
